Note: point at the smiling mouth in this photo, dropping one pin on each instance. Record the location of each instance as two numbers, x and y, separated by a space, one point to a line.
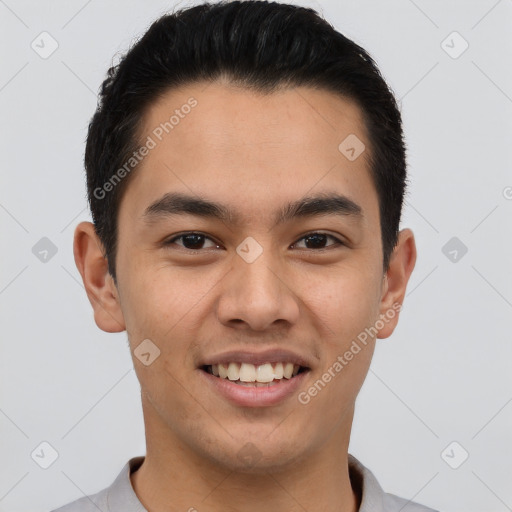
249 375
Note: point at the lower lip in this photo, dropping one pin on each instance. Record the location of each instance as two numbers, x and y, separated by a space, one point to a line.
255 396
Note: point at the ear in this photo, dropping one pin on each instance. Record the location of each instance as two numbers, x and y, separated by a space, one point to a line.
99 284
397 276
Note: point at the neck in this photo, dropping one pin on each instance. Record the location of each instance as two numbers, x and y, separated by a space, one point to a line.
174 474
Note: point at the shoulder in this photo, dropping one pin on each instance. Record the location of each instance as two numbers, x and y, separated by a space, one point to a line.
373 497
96 502
394 503
118 497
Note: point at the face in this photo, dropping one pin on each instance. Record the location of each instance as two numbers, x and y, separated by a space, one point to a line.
252 274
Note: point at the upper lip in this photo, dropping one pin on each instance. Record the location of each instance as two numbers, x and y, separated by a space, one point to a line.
276 355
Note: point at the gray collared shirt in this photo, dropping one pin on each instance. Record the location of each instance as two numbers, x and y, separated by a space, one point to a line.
120 496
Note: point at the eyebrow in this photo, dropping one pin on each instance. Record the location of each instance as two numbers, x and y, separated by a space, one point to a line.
172 203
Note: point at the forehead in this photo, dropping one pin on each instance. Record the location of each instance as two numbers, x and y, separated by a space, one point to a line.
226 116
238 146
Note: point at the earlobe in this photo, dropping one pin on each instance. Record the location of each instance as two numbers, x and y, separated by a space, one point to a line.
400 268
98 283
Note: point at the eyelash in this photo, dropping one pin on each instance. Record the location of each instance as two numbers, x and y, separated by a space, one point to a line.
337 240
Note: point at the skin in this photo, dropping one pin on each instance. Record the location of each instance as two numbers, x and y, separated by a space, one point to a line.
253 153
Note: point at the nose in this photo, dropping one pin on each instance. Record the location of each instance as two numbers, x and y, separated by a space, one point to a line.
257 295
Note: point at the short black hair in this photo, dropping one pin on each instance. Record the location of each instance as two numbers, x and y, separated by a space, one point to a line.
259 45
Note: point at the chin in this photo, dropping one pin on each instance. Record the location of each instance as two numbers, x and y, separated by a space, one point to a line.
256 457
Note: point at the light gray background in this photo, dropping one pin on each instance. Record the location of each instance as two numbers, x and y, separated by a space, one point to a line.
444 375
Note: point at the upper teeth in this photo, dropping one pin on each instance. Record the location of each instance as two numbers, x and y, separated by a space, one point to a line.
247 372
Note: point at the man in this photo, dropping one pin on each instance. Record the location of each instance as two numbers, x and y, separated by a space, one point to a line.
246 173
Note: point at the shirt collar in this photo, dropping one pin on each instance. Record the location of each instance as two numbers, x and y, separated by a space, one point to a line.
121 496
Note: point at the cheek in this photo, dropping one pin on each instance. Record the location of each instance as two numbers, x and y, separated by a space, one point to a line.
155 300
343 303
168 393
167 307
340 392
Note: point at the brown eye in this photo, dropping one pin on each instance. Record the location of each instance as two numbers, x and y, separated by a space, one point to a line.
191 241
319 240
